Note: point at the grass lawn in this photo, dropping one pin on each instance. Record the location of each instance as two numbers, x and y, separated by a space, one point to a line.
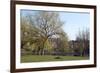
38 58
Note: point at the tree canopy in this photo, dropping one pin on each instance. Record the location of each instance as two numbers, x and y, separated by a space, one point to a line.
39 28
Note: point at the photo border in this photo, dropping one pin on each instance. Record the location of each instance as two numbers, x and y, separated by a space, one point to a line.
13 35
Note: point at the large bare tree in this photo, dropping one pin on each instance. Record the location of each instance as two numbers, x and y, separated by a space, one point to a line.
47 25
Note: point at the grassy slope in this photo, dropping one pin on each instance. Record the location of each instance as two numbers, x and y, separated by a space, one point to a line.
37 58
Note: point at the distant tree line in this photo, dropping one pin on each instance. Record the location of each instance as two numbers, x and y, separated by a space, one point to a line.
81 45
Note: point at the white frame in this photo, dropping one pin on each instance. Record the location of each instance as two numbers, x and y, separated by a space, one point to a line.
58 63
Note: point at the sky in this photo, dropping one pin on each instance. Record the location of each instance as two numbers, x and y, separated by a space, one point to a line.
73 21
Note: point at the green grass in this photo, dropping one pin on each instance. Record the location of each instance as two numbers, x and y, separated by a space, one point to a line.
44 58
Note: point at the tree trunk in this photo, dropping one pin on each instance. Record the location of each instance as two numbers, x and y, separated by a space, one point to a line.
42 47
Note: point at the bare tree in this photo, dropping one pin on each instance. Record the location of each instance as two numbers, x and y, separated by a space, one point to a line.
83 39
47 25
